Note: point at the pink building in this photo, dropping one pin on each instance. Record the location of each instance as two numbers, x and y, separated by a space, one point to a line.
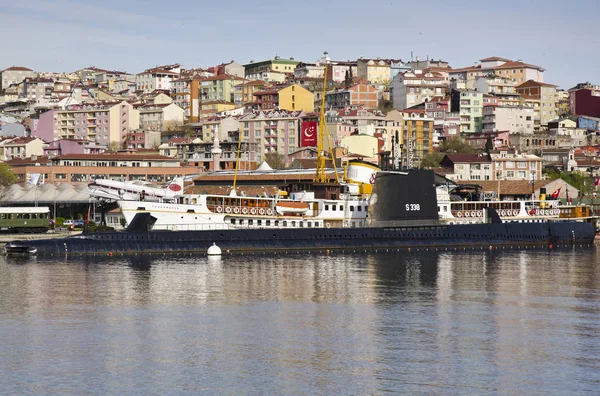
103 123
446 123
72 146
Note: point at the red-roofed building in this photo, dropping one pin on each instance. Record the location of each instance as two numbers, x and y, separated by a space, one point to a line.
547 97
517 71
21 147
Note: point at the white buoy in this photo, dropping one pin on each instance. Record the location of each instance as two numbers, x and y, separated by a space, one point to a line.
214 250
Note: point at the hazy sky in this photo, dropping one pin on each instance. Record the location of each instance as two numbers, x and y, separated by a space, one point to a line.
132 35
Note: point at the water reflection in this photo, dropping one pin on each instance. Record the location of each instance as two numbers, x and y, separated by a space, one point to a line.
429 322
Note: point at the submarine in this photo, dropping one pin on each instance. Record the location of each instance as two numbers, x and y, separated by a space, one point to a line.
402 215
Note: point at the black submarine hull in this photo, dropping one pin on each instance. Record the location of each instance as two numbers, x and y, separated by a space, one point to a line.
508 235
402 214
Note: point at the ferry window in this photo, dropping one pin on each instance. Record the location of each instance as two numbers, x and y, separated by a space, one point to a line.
241 222
293 223
268 222
258 222
233 221
26 216
326 207
285 223
341 207
276 223
19 215
366 207
301 224
351 208
250 222
359 208
333 207
309 224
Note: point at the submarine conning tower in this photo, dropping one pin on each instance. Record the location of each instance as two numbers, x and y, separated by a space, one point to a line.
403 199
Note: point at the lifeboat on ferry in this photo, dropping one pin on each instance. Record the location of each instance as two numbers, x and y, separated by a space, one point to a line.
291 208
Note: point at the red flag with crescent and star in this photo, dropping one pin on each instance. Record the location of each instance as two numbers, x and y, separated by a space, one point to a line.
309 134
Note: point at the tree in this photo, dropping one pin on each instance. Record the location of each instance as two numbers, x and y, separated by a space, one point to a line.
456 145
275 160
432 160
489 145
347 80
385 106
7 176
172 126
114 146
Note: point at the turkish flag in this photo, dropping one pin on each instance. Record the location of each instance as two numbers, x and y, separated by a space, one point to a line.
555 194
309 134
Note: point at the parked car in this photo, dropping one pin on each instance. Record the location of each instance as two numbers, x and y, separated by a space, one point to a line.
78 223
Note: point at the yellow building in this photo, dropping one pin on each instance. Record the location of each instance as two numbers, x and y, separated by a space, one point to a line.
248 89
272 70
295 97
286 97
415 134
376 71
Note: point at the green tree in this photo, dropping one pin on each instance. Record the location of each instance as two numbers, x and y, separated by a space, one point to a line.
456 145
432 160
385 106
7 176
114 146
489 145
275 160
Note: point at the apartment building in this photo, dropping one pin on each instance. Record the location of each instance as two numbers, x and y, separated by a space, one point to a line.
446 123
415 87
360 95
337 70
154 117
272 70
157 78
375 71
83 168
291 97
274 131
219 88
515 119
501 87
14 75
415 130
20 147
545 94
102 123
584 99
509 164
518 72
469 105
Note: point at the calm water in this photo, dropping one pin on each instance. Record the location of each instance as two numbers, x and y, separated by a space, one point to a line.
510 322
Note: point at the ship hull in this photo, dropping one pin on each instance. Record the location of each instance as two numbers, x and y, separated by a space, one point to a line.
505 235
